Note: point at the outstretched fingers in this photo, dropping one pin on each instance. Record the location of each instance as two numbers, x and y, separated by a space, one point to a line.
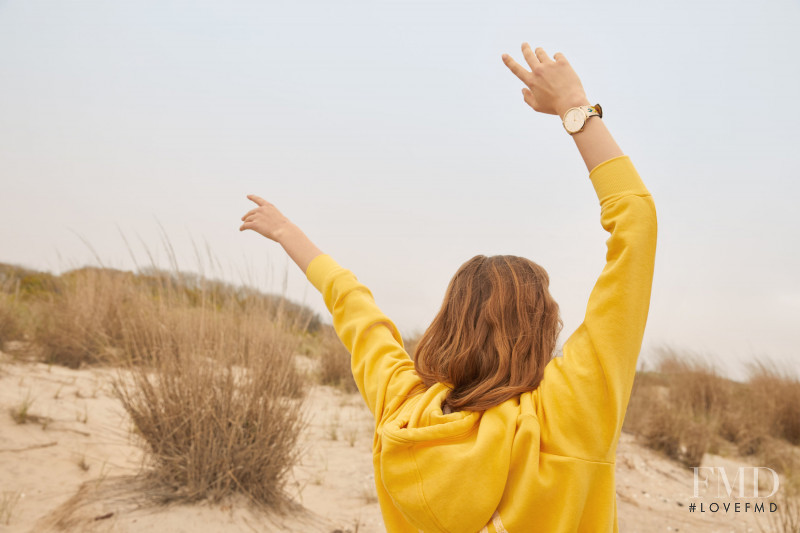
250 217
542 56
518 70
247 220
534 58
257 199
530 57
251 212
527 94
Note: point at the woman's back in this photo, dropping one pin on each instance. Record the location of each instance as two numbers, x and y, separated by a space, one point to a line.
543 461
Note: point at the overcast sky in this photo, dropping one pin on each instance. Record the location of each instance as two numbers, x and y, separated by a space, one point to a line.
392 133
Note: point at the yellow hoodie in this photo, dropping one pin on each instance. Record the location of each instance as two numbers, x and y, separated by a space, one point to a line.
541 462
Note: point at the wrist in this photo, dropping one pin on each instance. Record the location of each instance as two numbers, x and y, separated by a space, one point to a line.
284 232
569 103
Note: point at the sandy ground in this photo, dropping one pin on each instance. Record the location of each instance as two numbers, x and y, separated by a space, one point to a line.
73 466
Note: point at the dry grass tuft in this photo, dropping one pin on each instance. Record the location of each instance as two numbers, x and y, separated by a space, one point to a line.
83 322
410 343
775 398
88 315
674 410
214 394
334 362
20 289
786 518
21 413
206 370
10 328
8 504
11 312
686 409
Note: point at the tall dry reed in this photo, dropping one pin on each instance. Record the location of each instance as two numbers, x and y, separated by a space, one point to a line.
685 409
10 328
206 370
218 406
11 311
211 385
333 362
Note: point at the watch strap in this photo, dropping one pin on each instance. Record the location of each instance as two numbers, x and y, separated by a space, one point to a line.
593 110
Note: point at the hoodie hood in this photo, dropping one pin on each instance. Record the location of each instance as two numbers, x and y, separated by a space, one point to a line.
447 472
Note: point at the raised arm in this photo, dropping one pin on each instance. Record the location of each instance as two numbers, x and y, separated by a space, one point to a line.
584 394
553 87
381 367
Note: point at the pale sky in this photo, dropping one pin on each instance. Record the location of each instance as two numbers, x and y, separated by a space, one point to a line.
394 136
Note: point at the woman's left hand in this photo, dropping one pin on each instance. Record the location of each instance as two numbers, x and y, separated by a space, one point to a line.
265 219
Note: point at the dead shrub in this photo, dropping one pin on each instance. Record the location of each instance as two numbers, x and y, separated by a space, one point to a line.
102 315
786 518
686 409
677 409
672 432
775 399
206 371
410 344
780 456
334 361
26 282
660 429
10 326
206 374
218 404
83 323
334 366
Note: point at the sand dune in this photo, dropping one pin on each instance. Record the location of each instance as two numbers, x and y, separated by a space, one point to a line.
73 466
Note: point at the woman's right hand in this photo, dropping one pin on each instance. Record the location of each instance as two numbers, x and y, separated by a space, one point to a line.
552 85
265 219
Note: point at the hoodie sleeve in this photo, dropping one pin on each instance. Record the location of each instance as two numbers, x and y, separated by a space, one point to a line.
381 366
585 393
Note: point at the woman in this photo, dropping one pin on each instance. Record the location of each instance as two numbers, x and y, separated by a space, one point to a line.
485 430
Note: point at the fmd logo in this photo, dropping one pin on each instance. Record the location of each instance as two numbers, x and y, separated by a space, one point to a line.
706 476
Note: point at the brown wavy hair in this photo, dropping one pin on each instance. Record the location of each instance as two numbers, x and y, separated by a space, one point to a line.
495 333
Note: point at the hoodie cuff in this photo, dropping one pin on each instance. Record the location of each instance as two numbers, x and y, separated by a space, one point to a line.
318 269
616 177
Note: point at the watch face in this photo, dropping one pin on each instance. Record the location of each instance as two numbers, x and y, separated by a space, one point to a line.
574 119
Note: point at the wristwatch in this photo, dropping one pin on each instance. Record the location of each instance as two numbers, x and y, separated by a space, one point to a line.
575 118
